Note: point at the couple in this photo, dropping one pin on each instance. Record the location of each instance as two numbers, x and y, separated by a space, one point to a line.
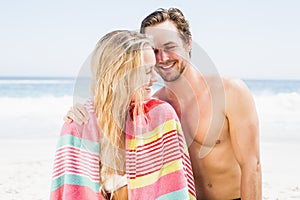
222 133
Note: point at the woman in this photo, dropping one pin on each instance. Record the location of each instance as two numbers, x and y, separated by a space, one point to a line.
132 147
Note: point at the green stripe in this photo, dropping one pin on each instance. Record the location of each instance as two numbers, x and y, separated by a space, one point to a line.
74 179
84 144
180 194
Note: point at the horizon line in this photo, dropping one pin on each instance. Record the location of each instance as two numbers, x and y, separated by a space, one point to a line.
74 77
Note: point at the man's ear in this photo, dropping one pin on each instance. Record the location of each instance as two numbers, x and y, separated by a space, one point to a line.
189 45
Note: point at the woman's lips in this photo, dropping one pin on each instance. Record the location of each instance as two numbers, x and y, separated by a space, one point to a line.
148 89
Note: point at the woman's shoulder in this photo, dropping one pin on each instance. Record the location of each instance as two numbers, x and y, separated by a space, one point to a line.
154 102
157 105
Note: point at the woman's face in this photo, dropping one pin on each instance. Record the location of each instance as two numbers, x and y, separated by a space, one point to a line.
149 63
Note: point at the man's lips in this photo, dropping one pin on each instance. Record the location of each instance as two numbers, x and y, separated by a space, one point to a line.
167 67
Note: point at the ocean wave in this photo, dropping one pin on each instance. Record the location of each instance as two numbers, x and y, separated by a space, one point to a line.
39 117
279 114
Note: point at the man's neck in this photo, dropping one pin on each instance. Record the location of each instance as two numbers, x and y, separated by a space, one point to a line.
189 84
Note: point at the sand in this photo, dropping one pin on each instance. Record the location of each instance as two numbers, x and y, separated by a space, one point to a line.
26 167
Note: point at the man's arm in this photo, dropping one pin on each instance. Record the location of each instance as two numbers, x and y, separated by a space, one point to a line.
244 134
79 115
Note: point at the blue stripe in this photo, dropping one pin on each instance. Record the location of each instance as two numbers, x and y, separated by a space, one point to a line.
177 195
74 179
93 147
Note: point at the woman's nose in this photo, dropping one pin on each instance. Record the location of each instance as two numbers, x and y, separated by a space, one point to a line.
153 77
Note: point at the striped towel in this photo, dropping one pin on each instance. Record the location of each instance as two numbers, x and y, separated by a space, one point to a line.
76 163
157 160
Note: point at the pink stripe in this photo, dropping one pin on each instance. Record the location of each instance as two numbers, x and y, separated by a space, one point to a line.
89 131
164 185
155 121
75 192
164 109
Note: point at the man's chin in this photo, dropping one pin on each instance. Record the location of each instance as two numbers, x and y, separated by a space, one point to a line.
171 79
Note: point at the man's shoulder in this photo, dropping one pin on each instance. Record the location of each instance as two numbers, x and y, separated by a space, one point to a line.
237 93
232 84
221 84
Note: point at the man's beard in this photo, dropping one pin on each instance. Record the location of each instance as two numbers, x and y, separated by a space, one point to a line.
174 76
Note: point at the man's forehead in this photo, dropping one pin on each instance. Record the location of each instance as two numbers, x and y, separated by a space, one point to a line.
162 37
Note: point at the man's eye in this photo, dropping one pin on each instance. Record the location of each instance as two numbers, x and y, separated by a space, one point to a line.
168 48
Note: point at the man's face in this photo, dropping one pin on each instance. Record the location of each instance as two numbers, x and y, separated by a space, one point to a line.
171 53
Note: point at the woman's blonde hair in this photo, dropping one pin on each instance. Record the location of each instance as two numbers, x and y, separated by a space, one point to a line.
117 81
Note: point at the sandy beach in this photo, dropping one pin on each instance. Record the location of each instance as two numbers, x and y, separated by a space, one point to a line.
280 164
26 167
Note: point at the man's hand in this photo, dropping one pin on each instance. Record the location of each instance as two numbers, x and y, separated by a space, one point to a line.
78 114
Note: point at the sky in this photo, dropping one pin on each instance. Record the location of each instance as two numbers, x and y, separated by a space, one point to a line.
258 39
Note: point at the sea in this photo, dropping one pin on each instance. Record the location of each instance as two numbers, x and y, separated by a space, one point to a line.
35 106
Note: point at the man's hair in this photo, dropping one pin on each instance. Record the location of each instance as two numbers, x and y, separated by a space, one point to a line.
172 14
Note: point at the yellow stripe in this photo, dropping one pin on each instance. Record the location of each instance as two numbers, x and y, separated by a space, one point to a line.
192 196
153 177
152 135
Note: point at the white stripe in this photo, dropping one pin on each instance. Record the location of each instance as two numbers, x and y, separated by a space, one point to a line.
68 158
77 155
80 169
76 150
150 168
140 160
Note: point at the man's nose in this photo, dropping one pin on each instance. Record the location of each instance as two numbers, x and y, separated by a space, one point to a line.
161 56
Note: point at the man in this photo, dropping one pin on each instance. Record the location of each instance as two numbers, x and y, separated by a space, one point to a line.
218 114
